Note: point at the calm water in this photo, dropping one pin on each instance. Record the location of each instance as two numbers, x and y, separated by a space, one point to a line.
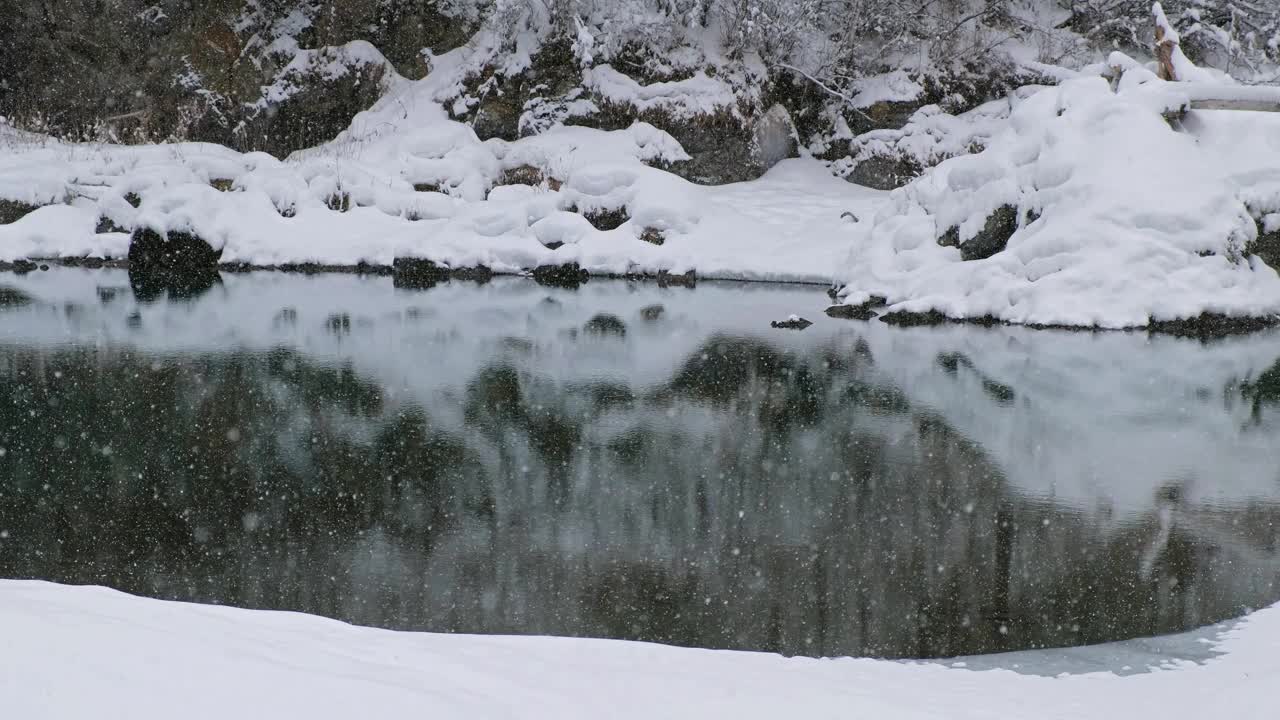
633 462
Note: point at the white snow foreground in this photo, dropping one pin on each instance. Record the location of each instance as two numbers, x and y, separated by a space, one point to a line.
406 181
1120 220
90 652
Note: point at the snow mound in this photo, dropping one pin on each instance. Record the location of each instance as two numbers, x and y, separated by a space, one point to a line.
1088 209
686 99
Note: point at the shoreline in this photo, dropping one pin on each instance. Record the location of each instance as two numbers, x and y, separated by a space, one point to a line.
1205 327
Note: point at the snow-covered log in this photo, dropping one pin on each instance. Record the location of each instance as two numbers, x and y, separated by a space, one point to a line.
1258 98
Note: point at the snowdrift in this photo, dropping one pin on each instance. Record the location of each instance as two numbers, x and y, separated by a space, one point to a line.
127 656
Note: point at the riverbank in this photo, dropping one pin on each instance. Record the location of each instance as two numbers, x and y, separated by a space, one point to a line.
1079 205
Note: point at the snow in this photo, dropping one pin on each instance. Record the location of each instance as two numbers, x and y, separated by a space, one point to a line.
785 226
131 657
1121 219
697 95
895 86
931 135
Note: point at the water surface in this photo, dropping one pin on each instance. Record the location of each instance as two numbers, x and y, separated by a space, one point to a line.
629 461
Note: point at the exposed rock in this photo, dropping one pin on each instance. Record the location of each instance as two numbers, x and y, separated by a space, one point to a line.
521 175
479 274
991 239
884 172
688 279
567 276
364 267
1266 247
175 253
12 211
858 311
851 312
21 267
500 100
321 107
418 273
79 69
338 202
606 324
792 323
1213 325
905 318
653 236
179 263
726 149
607 219
107 225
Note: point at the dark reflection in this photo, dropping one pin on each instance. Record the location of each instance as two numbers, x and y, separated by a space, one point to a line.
762 497
1263 392
155 284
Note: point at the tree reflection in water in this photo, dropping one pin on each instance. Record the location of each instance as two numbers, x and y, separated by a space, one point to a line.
762 497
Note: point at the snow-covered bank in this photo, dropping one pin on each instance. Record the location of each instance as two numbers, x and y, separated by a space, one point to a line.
80 652
1083 208
405 180
1087 210
785 226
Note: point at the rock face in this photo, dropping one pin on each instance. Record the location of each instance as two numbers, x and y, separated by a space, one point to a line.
138 70
1266 247
319 110
726 145
727 149
12 211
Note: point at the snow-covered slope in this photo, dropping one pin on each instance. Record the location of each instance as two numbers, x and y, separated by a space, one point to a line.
89 652
1112 217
